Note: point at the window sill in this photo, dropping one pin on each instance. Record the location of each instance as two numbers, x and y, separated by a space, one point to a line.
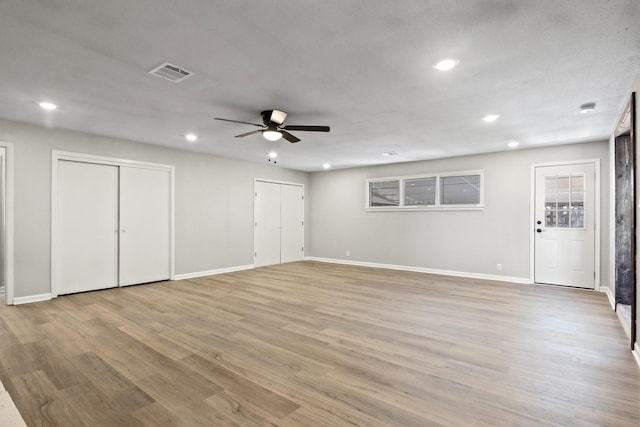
425 208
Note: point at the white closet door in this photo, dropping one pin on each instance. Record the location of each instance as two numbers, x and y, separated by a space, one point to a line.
88 226
267 224
291 222
145 226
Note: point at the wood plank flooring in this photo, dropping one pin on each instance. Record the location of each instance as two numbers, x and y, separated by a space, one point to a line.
313 344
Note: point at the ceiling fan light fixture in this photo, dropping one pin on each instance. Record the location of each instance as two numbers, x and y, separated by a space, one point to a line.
191 137
273 154
326 166
271 135
513 144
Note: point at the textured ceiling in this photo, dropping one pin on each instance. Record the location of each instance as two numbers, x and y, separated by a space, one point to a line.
362 67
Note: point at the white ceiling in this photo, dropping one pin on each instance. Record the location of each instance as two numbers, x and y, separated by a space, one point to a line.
362 67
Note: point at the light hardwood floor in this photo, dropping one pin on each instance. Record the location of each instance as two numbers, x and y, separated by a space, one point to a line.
320 344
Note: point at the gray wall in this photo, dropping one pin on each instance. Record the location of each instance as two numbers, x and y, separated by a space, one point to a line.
213 208
462 241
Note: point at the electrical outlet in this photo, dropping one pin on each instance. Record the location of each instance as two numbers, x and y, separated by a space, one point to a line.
499 267
348 253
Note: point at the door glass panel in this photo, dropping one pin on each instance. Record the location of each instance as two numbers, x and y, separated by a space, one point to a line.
550 219
550 185
563 219
564 201
577 219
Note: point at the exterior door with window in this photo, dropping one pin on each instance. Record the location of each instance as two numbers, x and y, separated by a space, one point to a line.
564 229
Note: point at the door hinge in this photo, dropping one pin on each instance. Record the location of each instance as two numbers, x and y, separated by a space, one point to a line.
256 223
302 197
256 194
255 254
303 249
303 223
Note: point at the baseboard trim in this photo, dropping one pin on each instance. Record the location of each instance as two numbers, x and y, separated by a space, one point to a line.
212 272
31 298
519 280
607 291
636 353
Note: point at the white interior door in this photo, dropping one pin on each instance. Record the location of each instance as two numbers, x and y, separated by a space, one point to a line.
145 225
564 226
292 223
88 226
266 224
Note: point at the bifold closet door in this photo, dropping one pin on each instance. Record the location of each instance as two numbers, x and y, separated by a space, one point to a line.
279 228
145 227
267 224
88 226
291 223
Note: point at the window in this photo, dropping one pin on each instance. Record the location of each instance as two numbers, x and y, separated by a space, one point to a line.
420 192
384 193
462 190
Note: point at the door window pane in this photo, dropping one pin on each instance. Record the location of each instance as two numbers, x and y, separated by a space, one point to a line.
550 219
577 219
384 193
420 192
563 219
564 201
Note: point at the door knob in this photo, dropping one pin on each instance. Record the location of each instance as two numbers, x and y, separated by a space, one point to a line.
539 230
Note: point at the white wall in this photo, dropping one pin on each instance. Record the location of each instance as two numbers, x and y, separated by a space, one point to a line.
470 242
213 208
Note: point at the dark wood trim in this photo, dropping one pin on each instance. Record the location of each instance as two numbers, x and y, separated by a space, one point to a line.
634 289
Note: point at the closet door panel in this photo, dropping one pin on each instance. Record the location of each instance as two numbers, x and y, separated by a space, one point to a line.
291 220
88 226
267 224
145 225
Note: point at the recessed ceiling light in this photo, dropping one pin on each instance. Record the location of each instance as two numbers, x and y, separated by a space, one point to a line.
446 64
389 153
47 106
587 107
191 137
273 154
513 144
326 166
490 118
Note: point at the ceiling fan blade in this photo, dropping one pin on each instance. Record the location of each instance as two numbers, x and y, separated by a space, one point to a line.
237 121
307 128
242 135
286 135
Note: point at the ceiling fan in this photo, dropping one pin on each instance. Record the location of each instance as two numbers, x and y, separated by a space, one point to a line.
272 128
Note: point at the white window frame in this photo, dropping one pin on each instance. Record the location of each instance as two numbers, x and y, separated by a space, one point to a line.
438 206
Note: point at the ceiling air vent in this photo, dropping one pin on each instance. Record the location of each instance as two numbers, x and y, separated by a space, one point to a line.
171 72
